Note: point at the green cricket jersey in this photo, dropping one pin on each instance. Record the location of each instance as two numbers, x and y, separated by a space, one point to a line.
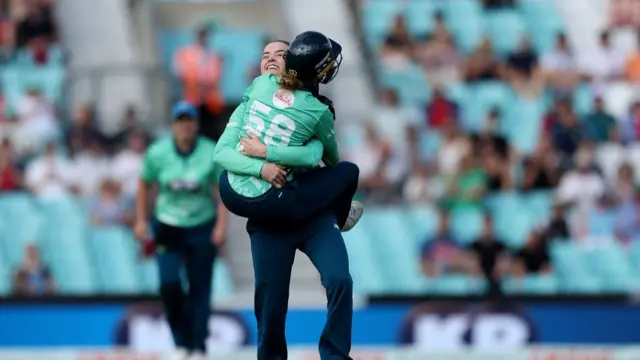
185 182
296 127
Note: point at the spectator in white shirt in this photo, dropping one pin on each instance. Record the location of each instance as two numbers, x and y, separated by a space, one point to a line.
90 166
37 119
606 62
50 175
582 185
559 67
126 165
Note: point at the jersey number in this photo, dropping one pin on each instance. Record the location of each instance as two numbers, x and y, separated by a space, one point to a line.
279 132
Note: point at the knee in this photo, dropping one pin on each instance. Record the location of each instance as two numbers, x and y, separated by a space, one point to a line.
338 282
350 169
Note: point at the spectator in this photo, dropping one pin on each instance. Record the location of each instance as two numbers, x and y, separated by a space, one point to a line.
533 258
36 31
50 175
83 131
582 185
567 134
482 64
630 127
110 207
396 52
557 228
497 171
497 4
438 55
596 224
127 164
37 118
130 126
422 186
468 187
522 72
627 226
441 110
10 174
492 256
442 254
606 62
600 126
489 138
199 68
7 42
454 148
32 277
541 170
559 67
624 188
91 167
632 66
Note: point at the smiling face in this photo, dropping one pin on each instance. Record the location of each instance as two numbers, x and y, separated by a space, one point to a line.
273 58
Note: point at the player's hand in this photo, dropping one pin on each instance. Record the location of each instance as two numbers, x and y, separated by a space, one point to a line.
219 236
252 146
275 174
141 231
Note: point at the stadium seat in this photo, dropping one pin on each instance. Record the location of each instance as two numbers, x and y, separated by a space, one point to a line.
422 221
522 123
573 271
113 255
464 19
505 28
148 276
610 263
458 285
609 157
21 225
377 18
481 98
363 262
543 22
221 284
540 204
618 97
419 17
6 276
532 285
466 224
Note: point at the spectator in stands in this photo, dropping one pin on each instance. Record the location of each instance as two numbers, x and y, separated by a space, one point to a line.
127 164
630 127
627 213
37 118
492 256
497 171
600 126
542 169
83 131
624 187
606 62
36 31
566 133
438 54
49 176
111 207
482 63
582 185
557 228
130 126
422 186
489 138
533 258
32 277
442 254
397 50
559 67
10 174
468 187
455 147
596 224
632 66
522 72
441 110
91 167
497 4
7 42
199 68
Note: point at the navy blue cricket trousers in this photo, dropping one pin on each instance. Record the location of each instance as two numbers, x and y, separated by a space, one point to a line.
306 215
187 311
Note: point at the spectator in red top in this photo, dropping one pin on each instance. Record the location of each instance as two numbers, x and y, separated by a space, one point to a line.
10 174
440 110
36 31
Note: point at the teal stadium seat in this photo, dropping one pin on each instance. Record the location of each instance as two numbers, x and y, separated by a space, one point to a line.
5 275
458 285
148 276
610 263
363 262
574 273
21 224
465 20
466 224
397 251
221 283
512 220
410 84
532 285
540 205
422 222
504 28
113 255
377 18
64 241
583 99
419 17
521 123
543 22
481 97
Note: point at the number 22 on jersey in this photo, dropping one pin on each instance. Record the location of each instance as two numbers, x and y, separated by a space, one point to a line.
276 130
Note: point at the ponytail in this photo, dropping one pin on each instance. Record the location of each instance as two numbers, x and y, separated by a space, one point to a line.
289 81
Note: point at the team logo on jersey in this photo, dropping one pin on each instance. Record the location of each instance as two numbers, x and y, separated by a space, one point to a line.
283 99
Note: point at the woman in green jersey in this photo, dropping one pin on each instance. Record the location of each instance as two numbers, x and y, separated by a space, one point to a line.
307 211
189 224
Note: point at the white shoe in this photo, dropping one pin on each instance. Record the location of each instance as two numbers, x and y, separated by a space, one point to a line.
179 354
354 216
197 355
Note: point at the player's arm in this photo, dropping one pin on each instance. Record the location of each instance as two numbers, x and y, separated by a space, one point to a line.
308 155
327 136
226 157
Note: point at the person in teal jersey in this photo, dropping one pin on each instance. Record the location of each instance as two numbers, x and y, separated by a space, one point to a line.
189 225
305 211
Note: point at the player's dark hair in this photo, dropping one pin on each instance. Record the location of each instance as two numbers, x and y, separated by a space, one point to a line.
290 81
